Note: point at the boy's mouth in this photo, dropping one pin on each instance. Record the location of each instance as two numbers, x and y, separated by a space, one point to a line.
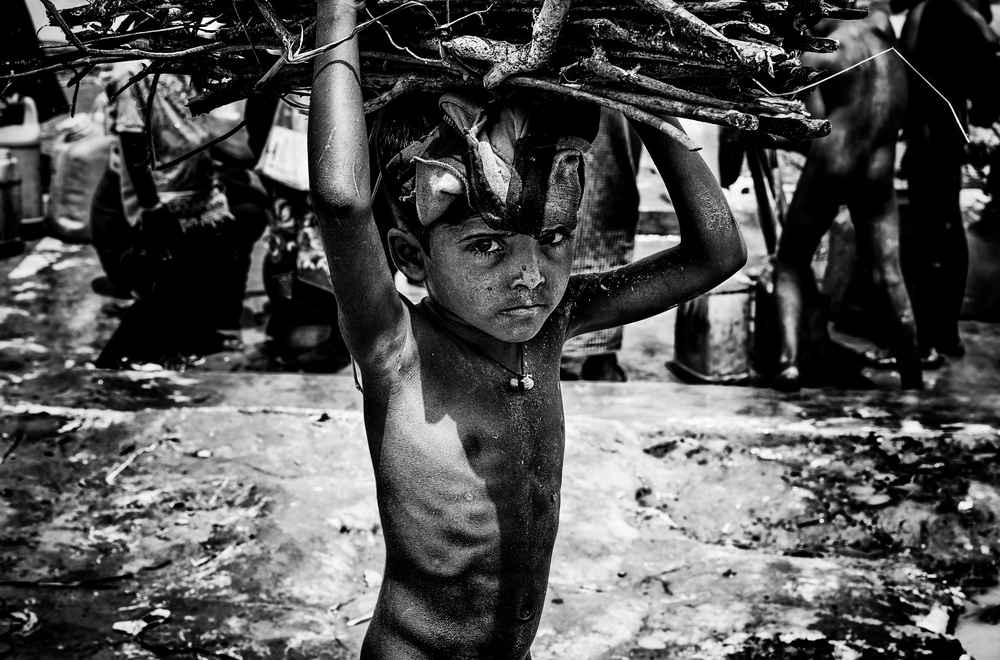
518 310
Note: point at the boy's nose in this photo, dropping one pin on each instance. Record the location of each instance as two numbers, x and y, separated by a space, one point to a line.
529 275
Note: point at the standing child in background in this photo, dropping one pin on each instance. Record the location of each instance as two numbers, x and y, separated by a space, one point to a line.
462 402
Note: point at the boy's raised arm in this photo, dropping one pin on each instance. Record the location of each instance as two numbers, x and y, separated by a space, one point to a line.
371 314
710 251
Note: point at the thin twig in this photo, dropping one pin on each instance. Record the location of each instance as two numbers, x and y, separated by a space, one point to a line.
451 23
302 56
50 9
601 67
132 36
10 450
123 55
138 53
208 145
246 32
139 75
865 61
392 42
76 97
110 479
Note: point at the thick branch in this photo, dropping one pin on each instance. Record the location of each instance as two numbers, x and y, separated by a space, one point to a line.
629 111
658 105
520 58
685 25
605 69
267 11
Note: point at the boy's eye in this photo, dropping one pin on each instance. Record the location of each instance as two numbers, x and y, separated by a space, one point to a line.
555 238
486 246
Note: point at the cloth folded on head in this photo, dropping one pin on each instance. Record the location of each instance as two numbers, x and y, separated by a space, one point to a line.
516 172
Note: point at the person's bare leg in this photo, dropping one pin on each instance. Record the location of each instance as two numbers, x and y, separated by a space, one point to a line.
810 215
876 227
941 251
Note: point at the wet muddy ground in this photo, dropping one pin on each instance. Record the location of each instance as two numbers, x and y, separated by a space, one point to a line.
239 530
154 514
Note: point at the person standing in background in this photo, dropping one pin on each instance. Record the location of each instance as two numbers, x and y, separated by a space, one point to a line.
605 238
953 46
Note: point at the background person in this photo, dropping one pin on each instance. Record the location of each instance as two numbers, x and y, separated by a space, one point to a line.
170 235
605 237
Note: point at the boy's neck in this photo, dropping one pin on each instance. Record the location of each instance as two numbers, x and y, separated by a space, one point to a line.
498 349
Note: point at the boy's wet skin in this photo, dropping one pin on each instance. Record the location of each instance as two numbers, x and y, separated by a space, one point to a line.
470 498
503 284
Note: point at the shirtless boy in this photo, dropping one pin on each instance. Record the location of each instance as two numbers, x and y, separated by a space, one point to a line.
463 408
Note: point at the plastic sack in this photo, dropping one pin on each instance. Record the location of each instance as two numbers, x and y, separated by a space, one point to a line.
285 156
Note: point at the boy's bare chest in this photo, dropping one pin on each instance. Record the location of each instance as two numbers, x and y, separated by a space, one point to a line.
459 416
485 419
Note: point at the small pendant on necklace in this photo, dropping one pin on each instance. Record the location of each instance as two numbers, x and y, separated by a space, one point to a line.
525 382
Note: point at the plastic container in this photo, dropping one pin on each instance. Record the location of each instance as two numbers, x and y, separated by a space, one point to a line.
25 143
10 205
79 159
713 334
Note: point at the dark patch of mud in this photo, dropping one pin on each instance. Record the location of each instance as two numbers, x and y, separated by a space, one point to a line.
109 390
933 501
868 642
933 410
924 508
92 536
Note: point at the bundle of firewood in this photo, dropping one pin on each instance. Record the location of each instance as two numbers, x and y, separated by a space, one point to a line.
730 62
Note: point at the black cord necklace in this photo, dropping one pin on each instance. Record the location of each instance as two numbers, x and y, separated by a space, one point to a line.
520 381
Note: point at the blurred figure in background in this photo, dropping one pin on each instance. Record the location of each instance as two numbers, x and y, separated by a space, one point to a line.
302 331
169 235
952 44
853 166
605 238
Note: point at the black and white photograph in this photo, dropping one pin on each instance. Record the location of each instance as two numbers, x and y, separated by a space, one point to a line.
500 330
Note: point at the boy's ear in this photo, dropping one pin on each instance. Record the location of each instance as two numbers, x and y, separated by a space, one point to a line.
407 253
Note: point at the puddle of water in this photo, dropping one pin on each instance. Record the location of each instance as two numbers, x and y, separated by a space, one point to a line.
31 425
980 639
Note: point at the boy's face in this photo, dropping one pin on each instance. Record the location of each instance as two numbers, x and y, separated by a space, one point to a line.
501 283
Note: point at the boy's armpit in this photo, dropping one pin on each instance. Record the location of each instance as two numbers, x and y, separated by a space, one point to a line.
585 295
382 336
